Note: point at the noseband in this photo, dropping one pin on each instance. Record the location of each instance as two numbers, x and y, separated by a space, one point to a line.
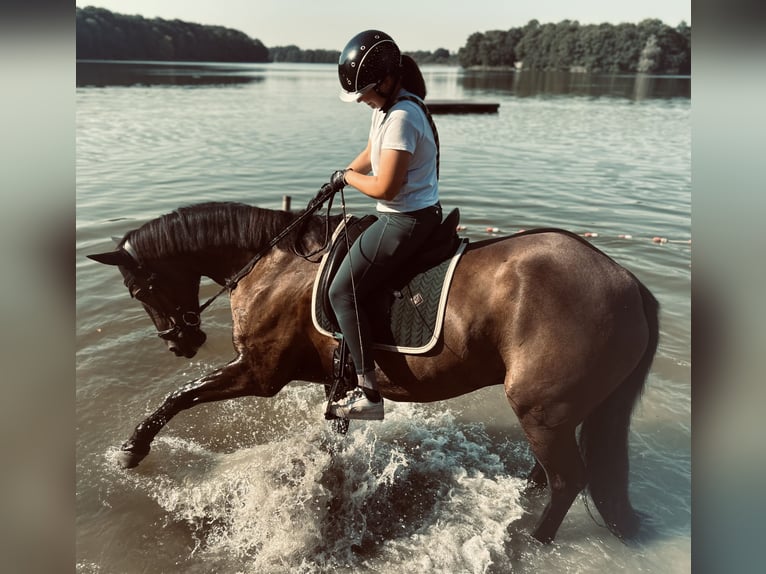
143 280
188 319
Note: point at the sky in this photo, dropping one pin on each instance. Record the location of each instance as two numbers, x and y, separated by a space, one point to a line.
414 24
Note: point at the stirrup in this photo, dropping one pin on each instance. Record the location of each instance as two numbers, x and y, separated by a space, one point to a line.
343 380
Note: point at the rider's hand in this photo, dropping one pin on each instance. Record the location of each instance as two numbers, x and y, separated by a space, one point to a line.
338 179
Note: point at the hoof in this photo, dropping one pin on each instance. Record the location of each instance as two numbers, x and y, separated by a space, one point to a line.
534 487
130 457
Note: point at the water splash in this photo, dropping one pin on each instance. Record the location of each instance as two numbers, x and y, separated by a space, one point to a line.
417 489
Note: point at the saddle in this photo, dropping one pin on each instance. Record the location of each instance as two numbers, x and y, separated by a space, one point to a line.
407 313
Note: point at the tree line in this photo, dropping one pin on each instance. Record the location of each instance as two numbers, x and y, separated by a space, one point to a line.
293 53
104 35
650 46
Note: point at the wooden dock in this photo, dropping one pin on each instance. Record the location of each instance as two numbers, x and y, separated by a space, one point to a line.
461 107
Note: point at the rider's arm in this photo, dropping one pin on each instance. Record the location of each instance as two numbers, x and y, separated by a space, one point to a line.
391 174
362 163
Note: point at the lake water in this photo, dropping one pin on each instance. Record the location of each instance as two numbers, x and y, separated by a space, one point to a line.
244 486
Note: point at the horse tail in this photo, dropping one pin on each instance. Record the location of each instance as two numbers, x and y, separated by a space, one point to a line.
604 437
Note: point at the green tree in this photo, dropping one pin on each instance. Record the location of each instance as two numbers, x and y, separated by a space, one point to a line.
526 48
468 55
495 50
441 55
102 34
545 47
568 50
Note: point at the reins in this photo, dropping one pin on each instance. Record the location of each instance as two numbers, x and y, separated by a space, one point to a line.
339 370
325 192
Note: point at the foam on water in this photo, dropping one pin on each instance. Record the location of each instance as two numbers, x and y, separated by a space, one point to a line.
419 492
417 489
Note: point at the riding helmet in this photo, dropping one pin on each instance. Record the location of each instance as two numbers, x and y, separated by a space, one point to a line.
365 62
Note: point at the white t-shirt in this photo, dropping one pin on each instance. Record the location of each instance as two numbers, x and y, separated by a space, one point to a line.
405 127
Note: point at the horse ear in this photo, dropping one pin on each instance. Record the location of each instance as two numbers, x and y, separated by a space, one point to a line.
118 257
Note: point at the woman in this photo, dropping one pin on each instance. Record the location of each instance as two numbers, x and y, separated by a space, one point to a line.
398 168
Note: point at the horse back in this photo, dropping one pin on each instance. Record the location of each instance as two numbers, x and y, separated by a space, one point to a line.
553 265
555 307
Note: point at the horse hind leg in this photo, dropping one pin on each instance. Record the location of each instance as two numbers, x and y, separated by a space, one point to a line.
537 478
559 460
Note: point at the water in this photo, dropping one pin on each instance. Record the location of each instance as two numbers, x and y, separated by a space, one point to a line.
253 485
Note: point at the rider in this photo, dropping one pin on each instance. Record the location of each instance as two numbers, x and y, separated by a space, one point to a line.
398 168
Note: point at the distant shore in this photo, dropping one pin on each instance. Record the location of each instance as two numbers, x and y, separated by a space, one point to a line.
647 47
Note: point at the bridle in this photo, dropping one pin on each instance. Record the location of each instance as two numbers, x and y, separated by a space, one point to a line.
189 319
142 281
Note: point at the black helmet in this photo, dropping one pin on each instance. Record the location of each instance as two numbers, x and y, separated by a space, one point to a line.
366 60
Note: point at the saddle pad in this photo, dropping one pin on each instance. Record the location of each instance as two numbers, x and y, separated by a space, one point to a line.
408 319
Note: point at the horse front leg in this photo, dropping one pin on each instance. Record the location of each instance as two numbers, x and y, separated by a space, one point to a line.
232 381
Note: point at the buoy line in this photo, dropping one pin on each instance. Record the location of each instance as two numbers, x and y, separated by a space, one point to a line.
590 234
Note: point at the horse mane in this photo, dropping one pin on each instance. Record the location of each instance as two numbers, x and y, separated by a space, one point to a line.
192 228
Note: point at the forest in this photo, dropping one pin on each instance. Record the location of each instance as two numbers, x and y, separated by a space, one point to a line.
104 35
647 47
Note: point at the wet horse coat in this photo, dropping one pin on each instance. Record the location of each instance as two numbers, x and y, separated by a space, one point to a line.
568 332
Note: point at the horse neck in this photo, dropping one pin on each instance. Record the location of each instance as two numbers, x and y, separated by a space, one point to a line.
219 240
223 263
219 263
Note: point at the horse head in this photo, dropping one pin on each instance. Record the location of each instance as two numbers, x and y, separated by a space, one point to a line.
169 296
162 261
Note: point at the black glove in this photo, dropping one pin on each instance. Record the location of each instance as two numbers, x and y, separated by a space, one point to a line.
338 179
